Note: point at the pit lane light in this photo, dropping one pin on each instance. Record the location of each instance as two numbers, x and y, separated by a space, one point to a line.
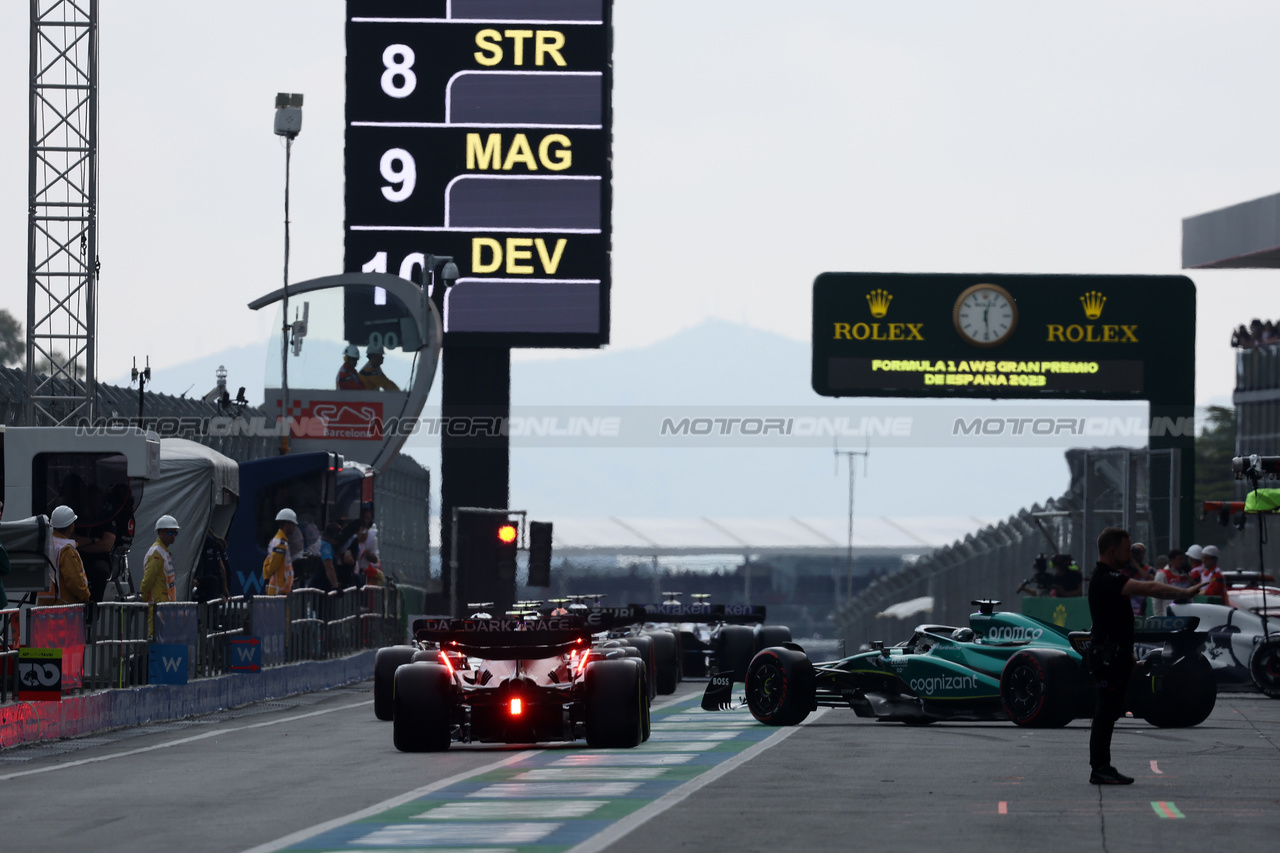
539 553
507 545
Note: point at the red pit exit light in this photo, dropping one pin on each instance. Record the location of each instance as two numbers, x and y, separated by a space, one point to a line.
507 533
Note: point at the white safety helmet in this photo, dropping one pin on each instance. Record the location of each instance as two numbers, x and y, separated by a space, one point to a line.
374 349
1210 551
352 351
287 514
166 522
63 516
1195 552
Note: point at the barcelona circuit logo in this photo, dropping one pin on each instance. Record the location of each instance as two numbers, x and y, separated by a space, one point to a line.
879 301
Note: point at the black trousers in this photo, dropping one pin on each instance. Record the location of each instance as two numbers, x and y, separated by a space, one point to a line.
1111 672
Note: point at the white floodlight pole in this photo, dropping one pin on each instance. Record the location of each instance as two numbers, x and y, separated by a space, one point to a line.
848 569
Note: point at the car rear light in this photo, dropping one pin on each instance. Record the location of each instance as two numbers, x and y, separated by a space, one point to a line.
516 707
444 659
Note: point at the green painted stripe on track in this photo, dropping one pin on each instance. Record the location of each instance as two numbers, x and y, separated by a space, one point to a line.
1167 810
599 816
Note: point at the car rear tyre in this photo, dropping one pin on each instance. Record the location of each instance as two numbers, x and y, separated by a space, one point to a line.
422 702
780 687
771 635
735 647
1175 697
385 664
666 661
1037 688
615 703
1264 667
643 643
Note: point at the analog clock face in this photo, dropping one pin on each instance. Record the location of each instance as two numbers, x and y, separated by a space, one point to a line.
985 315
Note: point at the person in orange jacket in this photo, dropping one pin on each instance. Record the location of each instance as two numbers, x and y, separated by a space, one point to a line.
67 581
348 377
277 568
159 582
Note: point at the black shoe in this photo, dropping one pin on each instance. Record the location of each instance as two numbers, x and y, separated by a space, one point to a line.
1109 776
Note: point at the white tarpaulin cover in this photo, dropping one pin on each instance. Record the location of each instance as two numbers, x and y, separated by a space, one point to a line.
197 486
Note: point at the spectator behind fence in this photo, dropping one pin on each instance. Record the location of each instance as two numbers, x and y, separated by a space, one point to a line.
65 572
373 575
211 571
4 566
1208 574
159 582
367 539
1138 570
325 576
277 568
1175 574
95 542
1065 580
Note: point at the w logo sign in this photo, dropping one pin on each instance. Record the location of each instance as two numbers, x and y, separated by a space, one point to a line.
246 654
167 664
251 583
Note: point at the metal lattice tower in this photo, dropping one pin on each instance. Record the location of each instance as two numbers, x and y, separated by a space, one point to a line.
62 245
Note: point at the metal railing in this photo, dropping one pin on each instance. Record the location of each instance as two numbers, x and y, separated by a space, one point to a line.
317 625
116 651
8 652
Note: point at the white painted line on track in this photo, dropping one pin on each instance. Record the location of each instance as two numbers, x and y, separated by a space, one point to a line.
1156 770
621 828
181 741
588 774
376 808
514 810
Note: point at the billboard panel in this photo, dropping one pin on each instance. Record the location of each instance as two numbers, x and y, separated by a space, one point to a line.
482 130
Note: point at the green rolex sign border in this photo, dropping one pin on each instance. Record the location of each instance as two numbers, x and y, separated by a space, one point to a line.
998 335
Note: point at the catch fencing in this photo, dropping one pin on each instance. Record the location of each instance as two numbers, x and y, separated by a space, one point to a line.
1114 486
112 650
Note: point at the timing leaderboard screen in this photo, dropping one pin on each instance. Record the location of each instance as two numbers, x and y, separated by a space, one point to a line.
481 129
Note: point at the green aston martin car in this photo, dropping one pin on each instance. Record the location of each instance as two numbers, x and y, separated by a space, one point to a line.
1004 666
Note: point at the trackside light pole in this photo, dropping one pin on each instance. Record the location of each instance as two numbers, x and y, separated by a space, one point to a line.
848 566
288 124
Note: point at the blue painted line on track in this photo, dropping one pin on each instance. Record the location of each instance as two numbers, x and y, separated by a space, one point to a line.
555 798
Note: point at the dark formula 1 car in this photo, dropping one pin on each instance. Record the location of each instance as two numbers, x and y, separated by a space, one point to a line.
1005 666
512 681
716 637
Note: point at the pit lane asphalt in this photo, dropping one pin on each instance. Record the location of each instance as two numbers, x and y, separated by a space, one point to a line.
843 783
239 779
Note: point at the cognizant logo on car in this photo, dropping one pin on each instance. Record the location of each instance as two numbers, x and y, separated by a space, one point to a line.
1013 633
943 683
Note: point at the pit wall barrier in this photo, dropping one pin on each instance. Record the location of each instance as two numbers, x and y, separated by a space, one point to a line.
24 722
296 634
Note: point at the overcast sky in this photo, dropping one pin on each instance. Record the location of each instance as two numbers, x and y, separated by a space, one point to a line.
756 145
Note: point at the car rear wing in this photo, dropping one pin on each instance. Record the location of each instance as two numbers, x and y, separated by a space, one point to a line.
733 614
1149 630
516 639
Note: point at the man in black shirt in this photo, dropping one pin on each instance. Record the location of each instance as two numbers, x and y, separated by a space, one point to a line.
1111 644
211 571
